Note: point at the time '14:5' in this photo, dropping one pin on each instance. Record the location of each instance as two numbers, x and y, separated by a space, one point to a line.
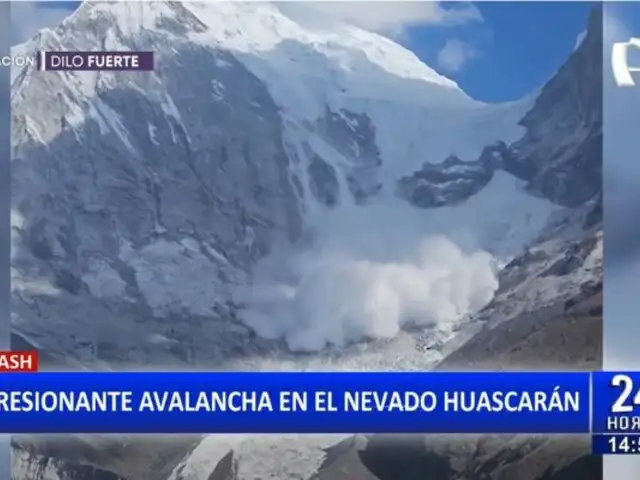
615 444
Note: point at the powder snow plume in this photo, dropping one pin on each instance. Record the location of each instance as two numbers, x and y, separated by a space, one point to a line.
366 274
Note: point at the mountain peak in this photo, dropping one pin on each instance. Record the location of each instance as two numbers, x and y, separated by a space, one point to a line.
291 36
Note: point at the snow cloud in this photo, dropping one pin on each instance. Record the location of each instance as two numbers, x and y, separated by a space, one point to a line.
394 17
455 54
370 272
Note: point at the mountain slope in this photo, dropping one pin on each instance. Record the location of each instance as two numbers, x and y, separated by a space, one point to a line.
201 216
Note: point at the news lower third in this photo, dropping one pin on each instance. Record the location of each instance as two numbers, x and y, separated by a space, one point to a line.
604 405
46 61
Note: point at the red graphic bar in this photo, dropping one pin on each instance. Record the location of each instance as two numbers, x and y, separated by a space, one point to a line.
15 361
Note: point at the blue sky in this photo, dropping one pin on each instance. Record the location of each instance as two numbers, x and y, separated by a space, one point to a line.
496 51
514 49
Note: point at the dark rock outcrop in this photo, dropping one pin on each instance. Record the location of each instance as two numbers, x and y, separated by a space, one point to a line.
452 181
560 155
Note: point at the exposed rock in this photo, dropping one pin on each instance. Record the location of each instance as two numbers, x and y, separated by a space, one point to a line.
560 156
354 137
324 182
452 181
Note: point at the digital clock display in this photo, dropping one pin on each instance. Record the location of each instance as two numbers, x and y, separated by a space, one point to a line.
615 444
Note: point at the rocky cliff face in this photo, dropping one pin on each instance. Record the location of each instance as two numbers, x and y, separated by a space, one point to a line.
560 154
452 181
142 201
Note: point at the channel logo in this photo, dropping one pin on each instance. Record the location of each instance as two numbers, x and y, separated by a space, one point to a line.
95 61
622 72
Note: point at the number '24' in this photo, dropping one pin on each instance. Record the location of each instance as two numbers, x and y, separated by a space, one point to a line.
621 404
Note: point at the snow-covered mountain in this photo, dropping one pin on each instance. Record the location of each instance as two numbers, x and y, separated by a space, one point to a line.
283 183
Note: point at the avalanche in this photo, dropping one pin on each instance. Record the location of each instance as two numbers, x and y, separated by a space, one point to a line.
177 401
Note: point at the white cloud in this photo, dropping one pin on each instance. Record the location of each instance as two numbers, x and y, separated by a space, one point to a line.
455 54
394 17
29 17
